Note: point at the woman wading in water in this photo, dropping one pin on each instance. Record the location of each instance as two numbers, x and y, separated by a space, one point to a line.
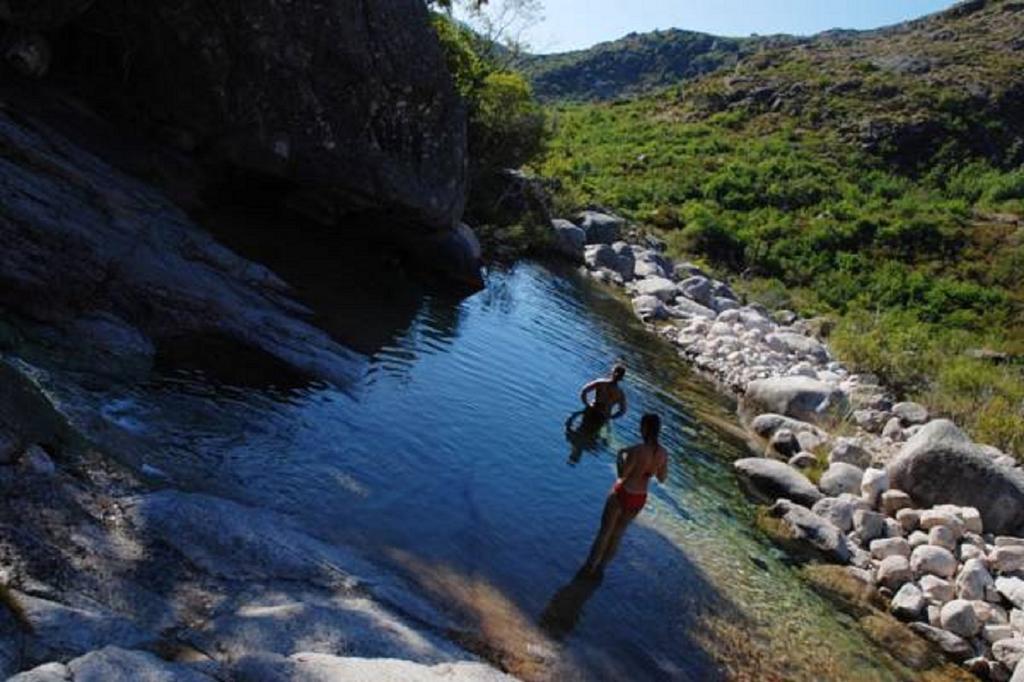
636 465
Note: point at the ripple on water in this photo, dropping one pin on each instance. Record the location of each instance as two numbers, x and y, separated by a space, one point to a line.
449 463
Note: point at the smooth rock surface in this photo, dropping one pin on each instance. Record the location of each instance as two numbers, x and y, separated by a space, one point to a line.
772 480
940 465
801 398
840 478
928 559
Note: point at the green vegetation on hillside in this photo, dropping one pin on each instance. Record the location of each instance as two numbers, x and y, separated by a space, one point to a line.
876 179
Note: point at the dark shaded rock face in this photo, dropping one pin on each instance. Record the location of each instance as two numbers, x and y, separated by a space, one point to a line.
87 248
349 100
41 14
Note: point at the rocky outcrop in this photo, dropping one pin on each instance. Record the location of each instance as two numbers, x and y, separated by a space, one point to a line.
940 464
349 102
87 248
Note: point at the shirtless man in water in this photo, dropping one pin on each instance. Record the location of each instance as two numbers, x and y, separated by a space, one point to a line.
609 400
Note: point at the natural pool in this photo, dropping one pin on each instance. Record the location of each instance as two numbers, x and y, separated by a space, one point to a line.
448 462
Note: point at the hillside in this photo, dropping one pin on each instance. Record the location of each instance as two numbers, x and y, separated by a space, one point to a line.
636 64
876 178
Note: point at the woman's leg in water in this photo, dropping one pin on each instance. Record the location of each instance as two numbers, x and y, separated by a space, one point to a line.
609 520
625 518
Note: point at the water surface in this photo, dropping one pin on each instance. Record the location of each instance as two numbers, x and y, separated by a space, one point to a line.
449 462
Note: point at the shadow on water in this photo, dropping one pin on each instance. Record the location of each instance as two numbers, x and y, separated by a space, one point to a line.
537 640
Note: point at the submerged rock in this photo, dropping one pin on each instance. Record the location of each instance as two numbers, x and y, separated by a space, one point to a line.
807 527
771 480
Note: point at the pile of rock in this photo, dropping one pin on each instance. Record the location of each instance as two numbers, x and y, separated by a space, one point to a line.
958 586
904 500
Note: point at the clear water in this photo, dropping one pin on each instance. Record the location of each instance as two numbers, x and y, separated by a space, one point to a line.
449 462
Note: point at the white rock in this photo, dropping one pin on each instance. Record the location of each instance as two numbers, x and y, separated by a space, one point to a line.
841 478
887 547
893 501
1009 651
910 413
969 552
909 519
662 288
942 536
909 603
893 430
874 483
836 510
893 572
1017 620
849 451
1008 541
972 520
997 633
1012 588
928 559
991 614
1007 559
936 517
959 618
936 590
973 581
917 539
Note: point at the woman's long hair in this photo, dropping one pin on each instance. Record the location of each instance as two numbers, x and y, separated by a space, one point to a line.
650 428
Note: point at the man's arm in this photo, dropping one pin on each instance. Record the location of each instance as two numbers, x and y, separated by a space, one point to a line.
589 388
621 406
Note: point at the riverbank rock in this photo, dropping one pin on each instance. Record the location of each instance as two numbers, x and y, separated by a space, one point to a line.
850 451
313 667
931 560
649 308
940 465
570 240
837 510
772 480
807 527
798 397
114 664
601 228
797 345
910 414
841 478
663 288
954 646
909 602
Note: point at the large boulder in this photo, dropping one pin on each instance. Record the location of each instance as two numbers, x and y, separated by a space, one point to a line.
771 480
940 465
601 228
663 288
799 397
349 102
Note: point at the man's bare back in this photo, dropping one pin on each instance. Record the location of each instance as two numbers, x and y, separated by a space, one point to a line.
609 399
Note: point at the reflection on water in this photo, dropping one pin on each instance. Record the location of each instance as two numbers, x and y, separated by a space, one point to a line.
447 463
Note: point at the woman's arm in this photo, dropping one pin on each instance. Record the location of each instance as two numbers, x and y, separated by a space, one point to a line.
625 463
662 472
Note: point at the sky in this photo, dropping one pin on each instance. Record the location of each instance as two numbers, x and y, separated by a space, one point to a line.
576 24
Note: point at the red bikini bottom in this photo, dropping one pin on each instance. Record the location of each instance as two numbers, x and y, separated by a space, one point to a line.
630 502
